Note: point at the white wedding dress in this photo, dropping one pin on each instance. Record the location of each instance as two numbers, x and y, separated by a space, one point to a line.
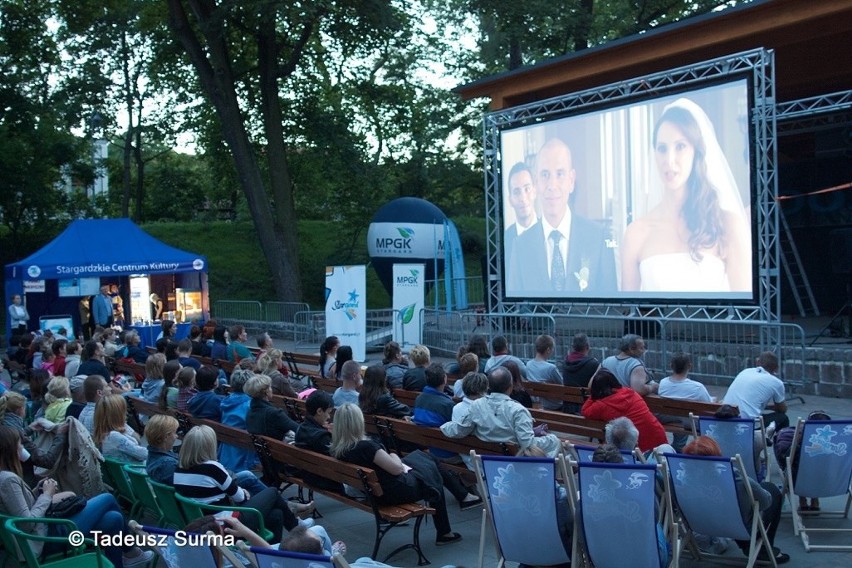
678 272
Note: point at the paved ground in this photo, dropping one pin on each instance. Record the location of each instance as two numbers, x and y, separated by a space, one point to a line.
357 528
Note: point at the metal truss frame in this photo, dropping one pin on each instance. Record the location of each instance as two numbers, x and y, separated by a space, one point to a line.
814 113
759 66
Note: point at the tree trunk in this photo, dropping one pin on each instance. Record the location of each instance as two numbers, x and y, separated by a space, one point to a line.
209 55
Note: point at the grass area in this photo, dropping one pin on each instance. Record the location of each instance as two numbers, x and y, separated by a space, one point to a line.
238 270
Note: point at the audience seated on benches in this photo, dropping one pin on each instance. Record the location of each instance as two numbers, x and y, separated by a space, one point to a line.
235 407
400 485
394 363
264 418
498 418
609 400
375 397
201 478
350 374
414 378
328 357
206 403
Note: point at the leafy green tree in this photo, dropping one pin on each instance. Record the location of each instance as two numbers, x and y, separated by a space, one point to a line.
43 166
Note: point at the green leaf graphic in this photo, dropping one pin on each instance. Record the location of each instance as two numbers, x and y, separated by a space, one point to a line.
406 314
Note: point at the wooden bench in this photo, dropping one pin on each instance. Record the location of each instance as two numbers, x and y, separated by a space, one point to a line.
571 395
396 433
273 451
570 425
303 365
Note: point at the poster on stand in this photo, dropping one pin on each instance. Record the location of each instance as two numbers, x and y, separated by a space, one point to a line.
346 307
409 292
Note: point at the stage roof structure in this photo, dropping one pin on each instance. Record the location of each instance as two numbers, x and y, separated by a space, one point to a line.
811 42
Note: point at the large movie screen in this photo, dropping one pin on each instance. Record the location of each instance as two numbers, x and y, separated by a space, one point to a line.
649 200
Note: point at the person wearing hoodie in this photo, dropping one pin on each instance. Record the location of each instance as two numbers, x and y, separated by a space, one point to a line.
234 408
610 400
578 368
206 403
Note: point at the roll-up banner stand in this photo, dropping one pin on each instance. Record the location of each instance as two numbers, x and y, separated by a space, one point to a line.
346 307
409 293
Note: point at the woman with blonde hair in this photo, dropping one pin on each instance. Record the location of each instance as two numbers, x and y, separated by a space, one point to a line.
58 398
269 364
349 443
264 418
113 436
201 478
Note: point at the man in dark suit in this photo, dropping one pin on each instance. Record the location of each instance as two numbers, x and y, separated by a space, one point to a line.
522 199
563 252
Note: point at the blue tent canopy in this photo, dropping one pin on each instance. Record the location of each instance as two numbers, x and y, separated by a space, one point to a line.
104 248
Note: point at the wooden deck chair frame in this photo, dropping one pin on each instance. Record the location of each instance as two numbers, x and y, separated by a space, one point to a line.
252 553
485 463
640 474
838 475
759 428
149 535
756 529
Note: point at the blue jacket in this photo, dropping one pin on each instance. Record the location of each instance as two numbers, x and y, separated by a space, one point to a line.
433 408
161 465
235 407
206 404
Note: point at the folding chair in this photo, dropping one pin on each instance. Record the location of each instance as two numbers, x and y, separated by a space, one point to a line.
824 470
188 550
584 453
618 499
113 470
704 489
273 558
193 509
138 479
173 515
735 436
77 556
522 495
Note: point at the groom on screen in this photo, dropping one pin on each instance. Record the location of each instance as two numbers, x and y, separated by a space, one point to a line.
563 252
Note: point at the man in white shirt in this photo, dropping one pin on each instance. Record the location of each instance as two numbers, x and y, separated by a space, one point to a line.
758 388
678 385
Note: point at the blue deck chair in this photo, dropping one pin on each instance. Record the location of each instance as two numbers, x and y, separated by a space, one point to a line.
735 436
824 470
704 489
584 454
618 500
521 495
272 558
187 551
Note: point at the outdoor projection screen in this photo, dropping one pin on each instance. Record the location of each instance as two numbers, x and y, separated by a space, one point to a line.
649 200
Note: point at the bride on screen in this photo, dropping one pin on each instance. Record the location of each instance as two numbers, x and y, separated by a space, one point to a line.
696 239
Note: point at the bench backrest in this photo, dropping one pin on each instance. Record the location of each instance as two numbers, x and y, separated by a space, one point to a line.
321 465
394 431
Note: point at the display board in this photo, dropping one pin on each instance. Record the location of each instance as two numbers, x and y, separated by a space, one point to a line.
648 200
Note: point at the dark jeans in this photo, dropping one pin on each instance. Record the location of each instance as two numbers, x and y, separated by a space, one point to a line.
275 511
771 516
780 418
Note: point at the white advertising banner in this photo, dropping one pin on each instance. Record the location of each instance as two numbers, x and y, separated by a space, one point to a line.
346 307
409 291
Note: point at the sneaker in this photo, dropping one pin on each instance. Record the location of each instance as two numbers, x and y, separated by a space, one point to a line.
143 557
